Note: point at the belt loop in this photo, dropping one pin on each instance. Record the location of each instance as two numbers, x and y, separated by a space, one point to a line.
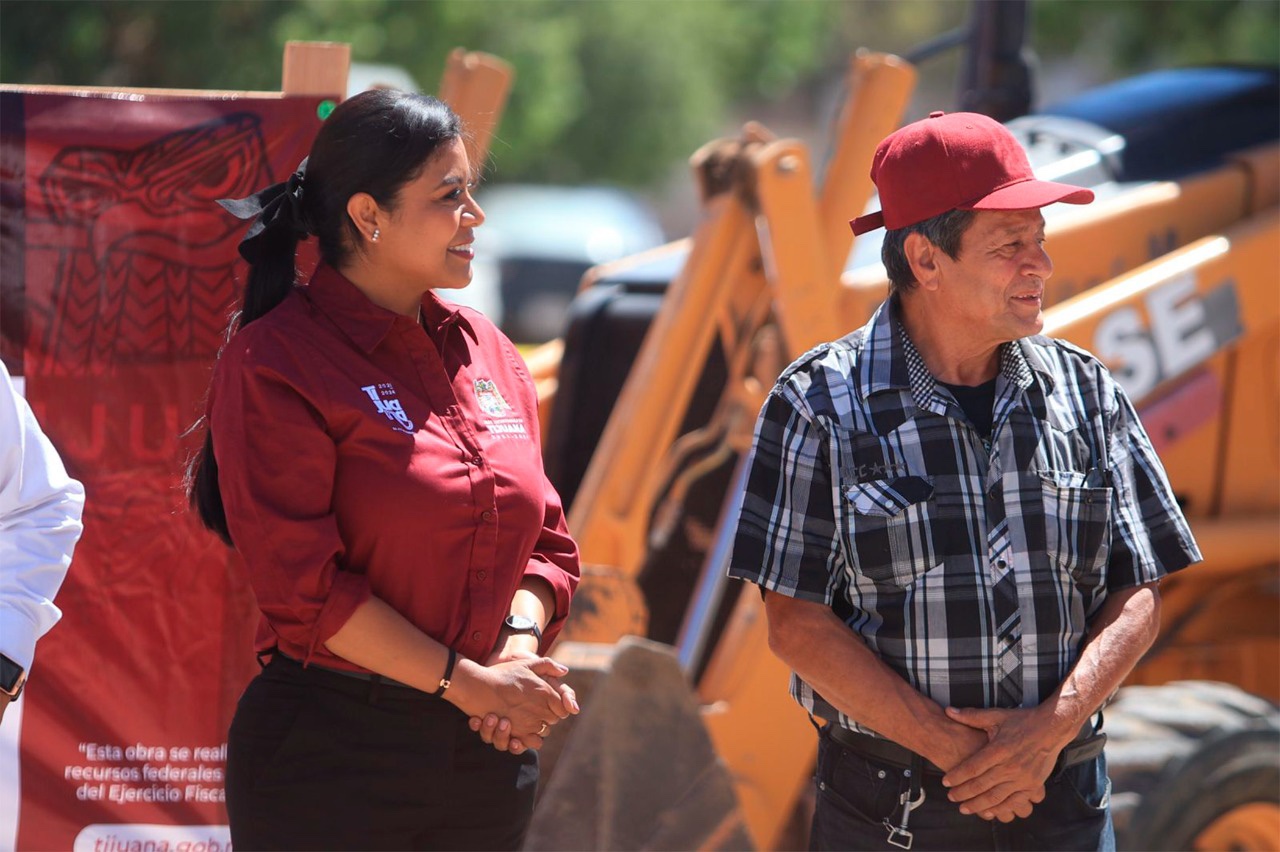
815 724
266 655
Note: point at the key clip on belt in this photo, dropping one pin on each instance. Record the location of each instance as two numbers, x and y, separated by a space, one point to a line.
911 798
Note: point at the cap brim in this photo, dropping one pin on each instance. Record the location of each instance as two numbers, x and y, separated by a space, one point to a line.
869 222
1030 194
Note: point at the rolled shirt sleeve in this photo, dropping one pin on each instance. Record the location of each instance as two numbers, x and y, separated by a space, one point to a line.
1150 537
276 471
555 560
40 511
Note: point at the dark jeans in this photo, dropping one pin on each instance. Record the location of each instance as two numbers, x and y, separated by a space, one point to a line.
318 760
856 795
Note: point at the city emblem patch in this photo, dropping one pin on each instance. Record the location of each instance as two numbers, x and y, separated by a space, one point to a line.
501 420
490 399
388 404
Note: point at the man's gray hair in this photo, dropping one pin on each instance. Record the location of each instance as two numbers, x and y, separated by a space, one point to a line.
944 230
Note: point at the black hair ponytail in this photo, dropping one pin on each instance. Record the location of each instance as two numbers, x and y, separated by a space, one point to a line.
271 278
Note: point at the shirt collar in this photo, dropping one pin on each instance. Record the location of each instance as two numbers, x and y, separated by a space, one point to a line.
1031 361
892 362
437 315
366 323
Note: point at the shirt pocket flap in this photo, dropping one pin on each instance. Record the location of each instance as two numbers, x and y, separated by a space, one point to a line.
1077 514
1094 478
888 497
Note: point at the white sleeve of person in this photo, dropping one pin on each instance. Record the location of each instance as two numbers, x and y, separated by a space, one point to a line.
40 508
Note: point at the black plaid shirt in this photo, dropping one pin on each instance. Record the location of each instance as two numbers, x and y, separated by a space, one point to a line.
971 568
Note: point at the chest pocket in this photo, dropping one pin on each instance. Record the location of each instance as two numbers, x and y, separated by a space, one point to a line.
889 529
1077 518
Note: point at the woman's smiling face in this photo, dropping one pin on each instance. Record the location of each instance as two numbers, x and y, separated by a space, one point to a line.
428 236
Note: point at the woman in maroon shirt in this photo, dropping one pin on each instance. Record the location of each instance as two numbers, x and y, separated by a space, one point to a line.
373 454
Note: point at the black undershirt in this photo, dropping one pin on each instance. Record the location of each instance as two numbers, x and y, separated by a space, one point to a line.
977 402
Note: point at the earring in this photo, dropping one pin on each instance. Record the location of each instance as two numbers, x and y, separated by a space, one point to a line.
376 233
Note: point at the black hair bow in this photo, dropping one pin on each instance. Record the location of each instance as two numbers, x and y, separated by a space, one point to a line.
277 207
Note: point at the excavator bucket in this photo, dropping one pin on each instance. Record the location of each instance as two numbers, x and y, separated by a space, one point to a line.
637 769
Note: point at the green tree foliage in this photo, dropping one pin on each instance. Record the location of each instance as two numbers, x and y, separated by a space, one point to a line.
612 90
1135 36
605 89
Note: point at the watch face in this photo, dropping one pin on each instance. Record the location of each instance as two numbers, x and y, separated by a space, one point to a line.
10 675
522 623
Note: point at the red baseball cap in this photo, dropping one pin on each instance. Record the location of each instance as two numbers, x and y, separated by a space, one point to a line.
956 161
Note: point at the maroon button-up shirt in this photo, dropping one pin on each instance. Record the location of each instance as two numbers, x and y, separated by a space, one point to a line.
359 453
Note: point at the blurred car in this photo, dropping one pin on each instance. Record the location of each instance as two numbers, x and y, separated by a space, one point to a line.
536 243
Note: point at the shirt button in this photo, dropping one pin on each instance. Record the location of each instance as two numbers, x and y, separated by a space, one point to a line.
475 637
477 461
1001 564
486 516
480 575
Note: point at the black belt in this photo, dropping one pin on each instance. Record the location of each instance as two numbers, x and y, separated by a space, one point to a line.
1086 746
368 677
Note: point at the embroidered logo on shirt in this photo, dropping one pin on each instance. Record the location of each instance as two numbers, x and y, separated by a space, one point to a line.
492 404
383 395
490 398
873 471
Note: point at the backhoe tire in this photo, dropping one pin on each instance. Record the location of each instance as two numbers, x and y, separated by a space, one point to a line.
1194 765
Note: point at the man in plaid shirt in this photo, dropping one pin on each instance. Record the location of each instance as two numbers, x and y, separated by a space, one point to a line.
958 525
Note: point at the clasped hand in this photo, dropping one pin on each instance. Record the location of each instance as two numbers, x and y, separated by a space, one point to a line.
1003 779
531 698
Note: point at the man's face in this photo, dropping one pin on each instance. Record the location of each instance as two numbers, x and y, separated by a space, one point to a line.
991 293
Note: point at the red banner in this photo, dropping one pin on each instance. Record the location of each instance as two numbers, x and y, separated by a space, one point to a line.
117 275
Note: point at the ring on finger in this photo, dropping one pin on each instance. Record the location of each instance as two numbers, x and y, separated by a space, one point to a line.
542 732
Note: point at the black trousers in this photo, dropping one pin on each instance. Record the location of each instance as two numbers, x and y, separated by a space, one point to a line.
319 760
856 796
